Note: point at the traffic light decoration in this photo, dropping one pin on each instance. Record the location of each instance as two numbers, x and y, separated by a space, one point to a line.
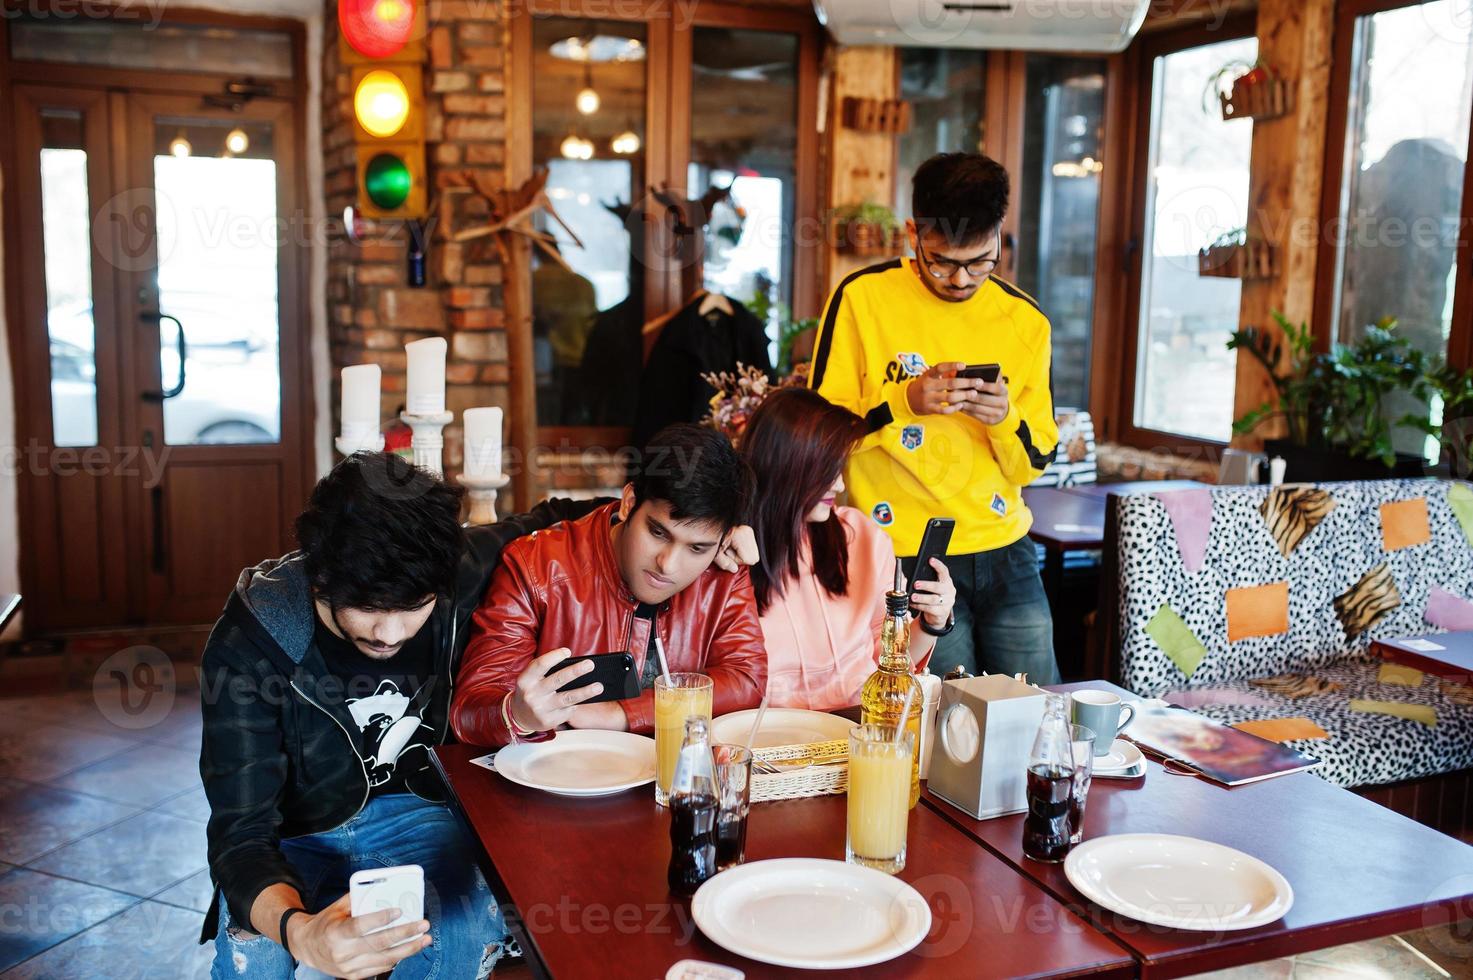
383 41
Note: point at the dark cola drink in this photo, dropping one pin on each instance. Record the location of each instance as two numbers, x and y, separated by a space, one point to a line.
1046 828
692 841
731 840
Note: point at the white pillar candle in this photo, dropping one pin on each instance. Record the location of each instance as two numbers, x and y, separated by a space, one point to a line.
483 442
360 403
426 376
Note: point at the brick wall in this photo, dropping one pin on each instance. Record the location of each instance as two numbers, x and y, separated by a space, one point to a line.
372 312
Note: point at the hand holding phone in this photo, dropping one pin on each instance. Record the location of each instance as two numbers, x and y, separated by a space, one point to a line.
615 671
934 542
400 888
982 372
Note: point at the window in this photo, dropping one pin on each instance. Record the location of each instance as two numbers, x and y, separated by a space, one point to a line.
65 233
1058 207
1196 190
944 87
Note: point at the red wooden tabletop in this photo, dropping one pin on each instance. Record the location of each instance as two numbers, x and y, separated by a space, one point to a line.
588 880
1453 659
1358 870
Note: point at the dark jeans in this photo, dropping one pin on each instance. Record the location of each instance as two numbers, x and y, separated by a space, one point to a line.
1003 622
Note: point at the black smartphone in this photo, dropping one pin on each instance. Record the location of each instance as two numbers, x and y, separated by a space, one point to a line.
934 541
987 372
615 671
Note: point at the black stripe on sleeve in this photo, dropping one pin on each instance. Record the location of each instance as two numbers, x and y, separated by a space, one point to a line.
1036 459
1016 293
879 417
825 342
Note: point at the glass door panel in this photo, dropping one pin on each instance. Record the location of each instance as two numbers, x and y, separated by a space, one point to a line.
219 330
1059 209
66 230
1196 191
588 130
744 135
945 88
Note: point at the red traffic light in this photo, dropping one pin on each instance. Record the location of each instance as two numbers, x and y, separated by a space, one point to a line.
376 28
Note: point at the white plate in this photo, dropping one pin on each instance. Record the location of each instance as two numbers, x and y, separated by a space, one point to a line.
1181 882
581 763
1123 755
781 726
811 914
1134 772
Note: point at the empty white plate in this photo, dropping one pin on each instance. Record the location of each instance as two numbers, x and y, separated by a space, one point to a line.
811 914
781 726
1181 882
581 763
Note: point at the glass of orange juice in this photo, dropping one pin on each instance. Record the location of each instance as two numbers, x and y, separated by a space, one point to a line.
879 797
677 697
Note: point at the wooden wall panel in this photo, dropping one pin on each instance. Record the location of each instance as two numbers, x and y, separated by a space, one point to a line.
1288 169
861 165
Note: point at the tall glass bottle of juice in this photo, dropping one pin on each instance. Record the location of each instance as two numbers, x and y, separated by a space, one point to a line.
883 697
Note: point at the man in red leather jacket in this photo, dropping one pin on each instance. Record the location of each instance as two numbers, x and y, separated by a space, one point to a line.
612 581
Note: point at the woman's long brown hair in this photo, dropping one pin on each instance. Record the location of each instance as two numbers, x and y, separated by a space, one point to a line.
796 443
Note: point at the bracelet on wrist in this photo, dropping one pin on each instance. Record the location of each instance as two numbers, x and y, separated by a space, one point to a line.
930 630
281 928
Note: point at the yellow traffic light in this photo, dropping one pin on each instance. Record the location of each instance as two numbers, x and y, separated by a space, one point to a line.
381 103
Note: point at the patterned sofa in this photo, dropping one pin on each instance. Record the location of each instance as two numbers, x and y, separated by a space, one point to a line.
1252 602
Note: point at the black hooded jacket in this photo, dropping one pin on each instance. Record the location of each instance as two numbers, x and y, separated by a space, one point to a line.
278 758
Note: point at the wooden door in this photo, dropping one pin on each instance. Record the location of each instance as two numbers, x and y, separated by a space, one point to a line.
162 383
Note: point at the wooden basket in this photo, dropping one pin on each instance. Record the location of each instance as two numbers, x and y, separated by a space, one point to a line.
1249 260
818 780
1268 98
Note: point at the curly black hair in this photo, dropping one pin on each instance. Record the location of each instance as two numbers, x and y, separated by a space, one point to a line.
964 196
698 471
380 533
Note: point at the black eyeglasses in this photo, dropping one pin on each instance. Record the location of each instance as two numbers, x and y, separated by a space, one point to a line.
980 268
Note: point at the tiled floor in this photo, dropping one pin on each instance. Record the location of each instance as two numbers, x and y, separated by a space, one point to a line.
102 858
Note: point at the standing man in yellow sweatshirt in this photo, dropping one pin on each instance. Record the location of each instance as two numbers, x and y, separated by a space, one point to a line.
893 338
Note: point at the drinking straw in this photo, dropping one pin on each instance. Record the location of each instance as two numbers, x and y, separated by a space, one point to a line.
756 723
910 697
664 664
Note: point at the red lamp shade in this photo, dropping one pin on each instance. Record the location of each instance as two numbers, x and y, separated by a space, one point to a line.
376 28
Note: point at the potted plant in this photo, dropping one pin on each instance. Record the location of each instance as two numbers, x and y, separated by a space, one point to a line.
1453 388
1334 403
866 229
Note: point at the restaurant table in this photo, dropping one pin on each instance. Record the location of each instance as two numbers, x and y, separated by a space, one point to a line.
1358 870
1453 661
1072 518
587 878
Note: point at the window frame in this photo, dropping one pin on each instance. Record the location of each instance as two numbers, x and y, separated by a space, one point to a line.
667 115
1133 184
1460 336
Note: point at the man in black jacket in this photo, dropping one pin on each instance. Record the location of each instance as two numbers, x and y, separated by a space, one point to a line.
325 684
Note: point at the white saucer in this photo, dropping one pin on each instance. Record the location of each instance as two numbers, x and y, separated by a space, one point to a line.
1123 756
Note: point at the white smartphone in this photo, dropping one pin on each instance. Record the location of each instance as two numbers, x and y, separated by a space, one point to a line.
376 889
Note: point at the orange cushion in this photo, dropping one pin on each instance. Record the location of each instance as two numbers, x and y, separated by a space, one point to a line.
1258 610
1282 729
1404 524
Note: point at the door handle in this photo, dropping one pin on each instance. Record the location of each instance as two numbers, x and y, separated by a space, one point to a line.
156 317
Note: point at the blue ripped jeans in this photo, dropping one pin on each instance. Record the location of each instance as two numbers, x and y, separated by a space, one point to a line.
467 932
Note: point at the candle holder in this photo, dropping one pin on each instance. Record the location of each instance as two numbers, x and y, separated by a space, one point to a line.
428 441
482 491
347 446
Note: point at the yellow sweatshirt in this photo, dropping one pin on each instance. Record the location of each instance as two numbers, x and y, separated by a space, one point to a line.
882 327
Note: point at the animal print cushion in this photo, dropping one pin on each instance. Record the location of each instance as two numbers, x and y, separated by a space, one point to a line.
1366 749
1326 553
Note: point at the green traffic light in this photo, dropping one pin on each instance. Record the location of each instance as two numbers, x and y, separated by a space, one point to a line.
387 181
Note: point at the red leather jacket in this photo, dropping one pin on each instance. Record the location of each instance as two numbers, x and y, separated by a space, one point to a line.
561 588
